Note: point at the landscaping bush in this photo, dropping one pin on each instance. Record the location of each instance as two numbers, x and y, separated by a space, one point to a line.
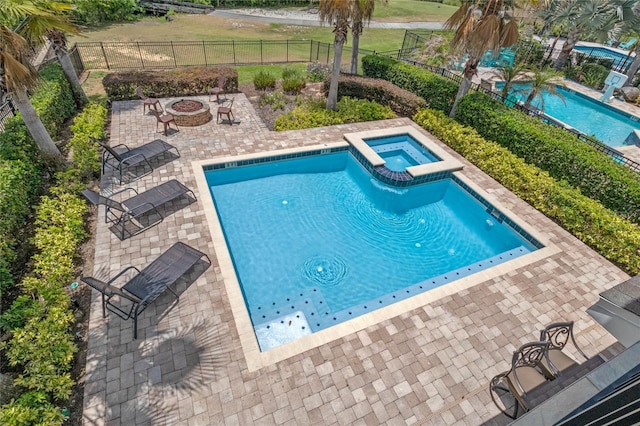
376 66
593 75
554 150
438 92
294 85
264 80
173 83
41 345
20 183
314 114
402 102
94 12
53 100
613 237
317 72
88 125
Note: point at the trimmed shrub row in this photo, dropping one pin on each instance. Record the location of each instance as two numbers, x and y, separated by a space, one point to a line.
20 167
42 346
54 99
402 102
314 114
594 173
438 92
164 84
615 238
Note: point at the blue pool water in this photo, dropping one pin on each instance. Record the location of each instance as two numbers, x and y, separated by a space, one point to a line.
316 241
589 116
401 151
603 52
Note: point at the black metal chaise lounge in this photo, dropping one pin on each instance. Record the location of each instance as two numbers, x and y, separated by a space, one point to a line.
123 213
121 157
146 285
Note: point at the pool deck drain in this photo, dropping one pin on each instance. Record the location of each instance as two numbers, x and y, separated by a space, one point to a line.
428 365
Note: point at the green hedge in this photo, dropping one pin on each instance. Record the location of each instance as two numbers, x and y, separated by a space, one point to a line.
41 345
554 150
164 84
20 168
54 99
439 92
615 238
402 102
314 114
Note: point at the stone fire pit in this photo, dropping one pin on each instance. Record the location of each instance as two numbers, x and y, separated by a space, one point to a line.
188 112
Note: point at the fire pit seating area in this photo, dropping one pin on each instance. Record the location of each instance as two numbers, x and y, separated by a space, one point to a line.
177 83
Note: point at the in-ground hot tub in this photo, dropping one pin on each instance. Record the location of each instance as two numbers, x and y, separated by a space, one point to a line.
189 112
401 154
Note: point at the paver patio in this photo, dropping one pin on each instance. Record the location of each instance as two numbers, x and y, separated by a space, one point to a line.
430 365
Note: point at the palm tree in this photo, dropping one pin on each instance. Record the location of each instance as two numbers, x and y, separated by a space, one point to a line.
362 12
629 12
509 74
51 26
597 18
338 14
17 75
480 25
58 40
544 80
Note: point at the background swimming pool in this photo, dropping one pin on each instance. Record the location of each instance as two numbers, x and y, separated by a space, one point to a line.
582 113
619 59
331 239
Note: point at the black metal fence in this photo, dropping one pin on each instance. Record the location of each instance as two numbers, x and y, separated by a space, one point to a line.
6 110
534 52
174 54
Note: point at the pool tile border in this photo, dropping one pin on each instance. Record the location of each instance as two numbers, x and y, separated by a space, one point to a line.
256 359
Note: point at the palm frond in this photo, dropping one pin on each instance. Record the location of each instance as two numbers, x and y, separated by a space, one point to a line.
460 16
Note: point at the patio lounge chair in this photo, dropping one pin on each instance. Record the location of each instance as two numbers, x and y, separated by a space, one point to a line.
148 102
509 389
558 334
219 90
121 157
122 213
628 44
147 284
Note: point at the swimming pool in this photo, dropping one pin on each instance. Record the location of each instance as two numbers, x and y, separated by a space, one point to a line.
602 52
589 116
316 241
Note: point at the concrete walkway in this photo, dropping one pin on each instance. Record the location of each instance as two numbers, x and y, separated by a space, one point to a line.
427 365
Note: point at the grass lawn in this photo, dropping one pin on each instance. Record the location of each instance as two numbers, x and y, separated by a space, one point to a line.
204 27
211 28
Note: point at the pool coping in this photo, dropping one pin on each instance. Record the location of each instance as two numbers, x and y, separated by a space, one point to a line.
256 359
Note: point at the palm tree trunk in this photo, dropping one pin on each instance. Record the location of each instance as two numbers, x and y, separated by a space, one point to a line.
354 54
469 71
332 96
356 30
567 47
553 47
37 130
70 72
633 68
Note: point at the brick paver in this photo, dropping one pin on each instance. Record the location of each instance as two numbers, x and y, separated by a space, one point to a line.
431 365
